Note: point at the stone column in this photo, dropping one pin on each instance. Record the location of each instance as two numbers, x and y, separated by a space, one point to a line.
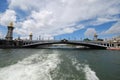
9 35
30 37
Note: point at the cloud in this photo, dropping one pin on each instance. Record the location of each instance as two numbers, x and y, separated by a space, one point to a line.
46 17
102 20
26 5
1 35
7 17
90 32
43 22
114 29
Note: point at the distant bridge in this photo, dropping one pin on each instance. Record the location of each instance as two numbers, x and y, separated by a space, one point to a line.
35 44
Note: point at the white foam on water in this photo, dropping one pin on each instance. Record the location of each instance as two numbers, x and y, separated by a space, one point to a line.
35 67
89 73
76 64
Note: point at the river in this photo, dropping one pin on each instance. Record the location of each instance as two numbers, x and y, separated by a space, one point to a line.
59 64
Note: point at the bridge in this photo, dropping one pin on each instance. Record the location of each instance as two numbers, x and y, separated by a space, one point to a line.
35 44
8 42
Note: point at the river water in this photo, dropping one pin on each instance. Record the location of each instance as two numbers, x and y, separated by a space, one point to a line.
59 64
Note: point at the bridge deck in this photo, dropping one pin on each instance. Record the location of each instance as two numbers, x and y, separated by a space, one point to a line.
92 45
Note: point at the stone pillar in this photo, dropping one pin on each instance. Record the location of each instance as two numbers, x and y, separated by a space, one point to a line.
30 37
9 35
95 37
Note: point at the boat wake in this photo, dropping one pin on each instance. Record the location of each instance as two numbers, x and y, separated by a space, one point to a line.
35 67
89 73
48 66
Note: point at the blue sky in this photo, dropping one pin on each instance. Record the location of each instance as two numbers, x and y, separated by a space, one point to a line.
70 19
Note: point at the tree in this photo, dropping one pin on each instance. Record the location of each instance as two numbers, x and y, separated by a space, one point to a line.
100 40
86 39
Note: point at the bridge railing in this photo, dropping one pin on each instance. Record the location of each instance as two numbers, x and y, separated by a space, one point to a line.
101 43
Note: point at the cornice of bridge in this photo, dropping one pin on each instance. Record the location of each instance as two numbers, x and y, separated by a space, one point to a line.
52 41
68 41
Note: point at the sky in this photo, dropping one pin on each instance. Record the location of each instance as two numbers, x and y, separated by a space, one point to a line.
59 19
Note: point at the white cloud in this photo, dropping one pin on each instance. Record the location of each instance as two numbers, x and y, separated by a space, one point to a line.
90 32
60 16
102 20
26 5
1 35
7 17
46 37
68 30
114 29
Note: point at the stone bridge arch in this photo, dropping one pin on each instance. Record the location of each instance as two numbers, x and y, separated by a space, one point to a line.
86 44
